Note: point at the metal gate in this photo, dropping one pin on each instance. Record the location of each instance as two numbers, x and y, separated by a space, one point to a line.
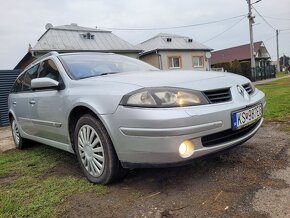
7 78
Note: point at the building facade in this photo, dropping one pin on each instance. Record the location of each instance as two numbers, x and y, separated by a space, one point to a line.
167 51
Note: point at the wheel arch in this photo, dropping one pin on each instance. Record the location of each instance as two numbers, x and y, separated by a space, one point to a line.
11 115
76 113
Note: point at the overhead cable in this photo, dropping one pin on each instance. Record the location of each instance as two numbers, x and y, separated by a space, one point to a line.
175 27
232 26
276 18
264 19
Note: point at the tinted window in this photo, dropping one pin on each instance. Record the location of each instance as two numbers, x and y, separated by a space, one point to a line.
90 65
28 76
17 87
49 69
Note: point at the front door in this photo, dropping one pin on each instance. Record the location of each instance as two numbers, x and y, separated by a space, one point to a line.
47 111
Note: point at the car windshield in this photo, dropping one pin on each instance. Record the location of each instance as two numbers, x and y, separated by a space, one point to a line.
90 65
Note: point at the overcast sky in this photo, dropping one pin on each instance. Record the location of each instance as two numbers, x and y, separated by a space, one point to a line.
23 22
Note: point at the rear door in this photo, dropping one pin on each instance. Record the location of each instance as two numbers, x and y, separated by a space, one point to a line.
47 112
21 93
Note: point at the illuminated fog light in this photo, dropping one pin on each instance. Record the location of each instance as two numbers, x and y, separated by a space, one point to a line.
186 149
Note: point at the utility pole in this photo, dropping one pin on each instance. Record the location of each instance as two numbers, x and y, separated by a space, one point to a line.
278 59
252 50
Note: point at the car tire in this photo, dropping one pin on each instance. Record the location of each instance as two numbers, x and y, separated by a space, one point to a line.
20 143
95 151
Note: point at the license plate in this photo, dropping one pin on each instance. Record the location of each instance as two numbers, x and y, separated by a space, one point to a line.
247 116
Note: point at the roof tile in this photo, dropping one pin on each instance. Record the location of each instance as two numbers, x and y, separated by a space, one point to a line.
240 53
178 42
69 38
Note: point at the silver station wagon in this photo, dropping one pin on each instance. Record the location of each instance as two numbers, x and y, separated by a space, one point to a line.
117 113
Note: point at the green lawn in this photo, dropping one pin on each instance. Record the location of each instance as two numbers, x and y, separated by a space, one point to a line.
278 99
28 189
280 74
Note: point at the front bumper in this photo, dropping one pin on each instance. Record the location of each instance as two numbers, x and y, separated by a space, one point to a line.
151 137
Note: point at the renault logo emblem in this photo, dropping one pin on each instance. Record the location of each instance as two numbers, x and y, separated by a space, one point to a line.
243 92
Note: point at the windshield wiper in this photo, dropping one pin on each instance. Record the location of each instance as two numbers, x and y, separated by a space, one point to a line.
84 77
102 74
113 72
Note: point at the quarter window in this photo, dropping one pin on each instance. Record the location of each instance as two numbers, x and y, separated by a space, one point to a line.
28 76
49 69
198 61
174 62
17 87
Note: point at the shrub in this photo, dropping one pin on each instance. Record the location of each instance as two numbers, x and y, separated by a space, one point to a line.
246 68
236 67
225 65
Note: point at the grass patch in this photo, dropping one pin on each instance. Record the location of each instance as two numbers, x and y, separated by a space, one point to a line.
278 99
27 191
280 74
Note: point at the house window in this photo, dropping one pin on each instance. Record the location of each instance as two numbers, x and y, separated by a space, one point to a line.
174 62
198 61
88 36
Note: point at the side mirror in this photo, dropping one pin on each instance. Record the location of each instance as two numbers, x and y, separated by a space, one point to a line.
41 83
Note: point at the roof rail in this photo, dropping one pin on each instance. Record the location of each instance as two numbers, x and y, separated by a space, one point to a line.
42 57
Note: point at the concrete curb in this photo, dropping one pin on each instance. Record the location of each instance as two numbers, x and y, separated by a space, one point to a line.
270 80
6 140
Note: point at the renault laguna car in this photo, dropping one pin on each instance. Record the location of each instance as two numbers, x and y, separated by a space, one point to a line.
117 113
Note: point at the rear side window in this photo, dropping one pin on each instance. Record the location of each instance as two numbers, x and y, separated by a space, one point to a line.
49 69
17 87
29 75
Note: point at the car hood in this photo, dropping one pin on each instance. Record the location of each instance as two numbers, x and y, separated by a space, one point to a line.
200 80
105 92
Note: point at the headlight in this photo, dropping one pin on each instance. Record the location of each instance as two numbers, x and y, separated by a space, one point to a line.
164 97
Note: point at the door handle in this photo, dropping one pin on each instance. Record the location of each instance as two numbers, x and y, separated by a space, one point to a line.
14 103
32 102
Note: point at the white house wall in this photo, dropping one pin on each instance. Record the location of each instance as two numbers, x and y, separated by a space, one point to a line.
186 59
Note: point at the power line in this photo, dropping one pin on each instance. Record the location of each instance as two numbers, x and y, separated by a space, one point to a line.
277 18
232 26
284 30
174 27
268 39
264 19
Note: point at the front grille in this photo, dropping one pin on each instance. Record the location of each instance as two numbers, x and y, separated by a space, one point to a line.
248 88
227 135
219 95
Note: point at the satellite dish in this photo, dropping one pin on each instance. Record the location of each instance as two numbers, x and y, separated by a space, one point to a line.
208 55
48 26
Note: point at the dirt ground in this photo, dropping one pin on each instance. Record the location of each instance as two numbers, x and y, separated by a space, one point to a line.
251 180
236 183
